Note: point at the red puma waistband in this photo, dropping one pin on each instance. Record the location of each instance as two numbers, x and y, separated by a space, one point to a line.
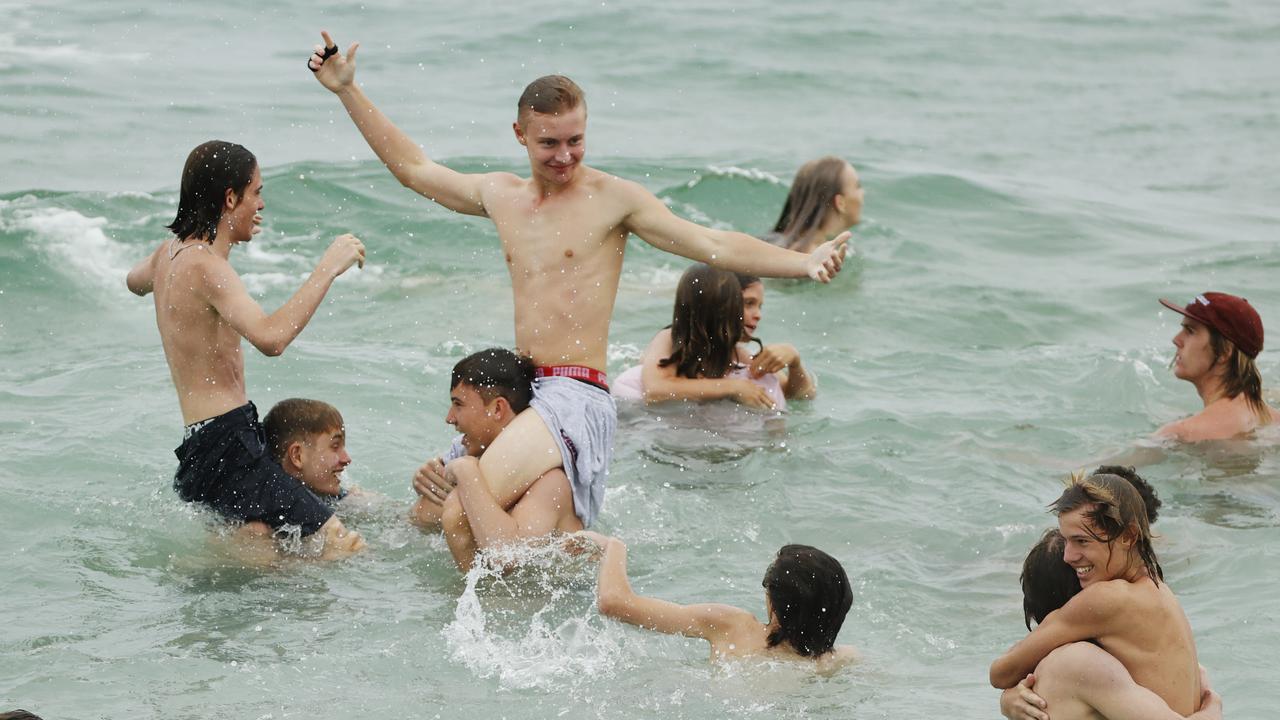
591 376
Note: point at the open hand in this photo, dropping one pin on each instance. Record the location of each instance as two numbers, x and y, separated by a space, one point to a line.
334 71
825 261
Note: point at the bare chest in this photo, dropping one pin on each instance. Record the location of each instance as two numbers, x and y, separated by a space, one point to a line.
553 238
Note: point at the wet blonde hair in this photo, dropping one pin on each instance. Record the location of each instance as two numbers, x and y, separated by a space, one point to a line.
1240 374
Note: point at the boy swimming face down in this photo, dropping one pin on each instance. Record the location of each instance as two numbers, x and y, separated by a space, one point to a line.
807 596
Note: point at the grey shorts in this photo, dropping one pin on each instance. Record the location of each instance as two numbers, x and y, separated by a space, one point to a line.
582 418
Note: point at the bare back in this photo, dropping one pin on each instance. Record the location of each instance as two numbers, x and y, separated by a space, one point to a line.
564 253
1221 420
1152 638
202 349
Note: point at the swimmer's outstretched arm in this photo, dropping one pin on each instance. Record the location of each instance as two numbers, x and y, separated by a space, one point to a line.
1092 613
709 621
651 220
402 156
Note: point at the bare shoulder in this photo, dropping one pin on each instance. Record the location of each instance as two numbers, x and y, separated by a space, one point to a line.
1174 429
662 339
1077 658
841 656
614 187
502 180
1101 599
721 620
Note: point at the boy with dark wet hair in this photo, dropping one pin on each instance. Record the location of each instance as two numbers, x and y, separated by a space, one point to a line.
807 596
488 390
202 312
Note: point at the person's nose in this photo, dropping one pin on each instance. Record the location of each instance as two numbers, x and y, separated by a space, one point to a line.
1070 554
344 459
451 418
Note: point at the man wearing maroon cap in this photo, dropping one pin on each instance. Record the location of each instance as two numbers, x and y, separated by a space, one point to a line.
1220 337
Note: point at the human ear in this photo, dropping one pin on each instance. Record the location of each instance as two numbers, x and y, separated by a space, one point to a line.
502 409
294 454
232 199
515 127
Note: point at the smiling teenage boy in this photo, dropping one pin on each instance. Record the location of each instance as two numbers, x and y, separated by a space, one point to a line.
489 389
563 231
309 440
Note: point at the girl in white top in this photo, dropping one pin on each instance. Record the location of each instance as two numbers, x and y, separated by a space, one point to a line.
702 355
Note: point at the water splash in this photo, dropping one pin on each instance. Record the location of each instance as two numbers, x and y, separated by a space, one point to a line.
533 627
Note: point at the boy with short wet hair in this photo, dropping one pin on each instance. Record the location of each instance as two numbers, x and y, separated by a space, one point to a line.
488 389
309 440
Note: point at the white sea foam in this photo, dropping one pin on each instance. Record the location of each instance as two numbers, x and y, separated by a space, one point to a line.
628 353
735 171
73 242
257 253
16 51
260 283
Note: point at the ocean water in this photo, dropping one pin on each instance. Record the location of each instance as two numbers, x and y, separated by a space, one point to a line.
1037 176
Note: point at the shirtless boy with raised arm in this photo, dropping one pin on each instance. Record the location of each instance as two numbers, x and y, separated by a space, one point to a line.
563 232
202 311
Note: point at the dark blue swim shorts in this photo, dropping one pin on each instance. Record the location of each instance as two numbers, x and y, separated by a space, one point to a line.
225 465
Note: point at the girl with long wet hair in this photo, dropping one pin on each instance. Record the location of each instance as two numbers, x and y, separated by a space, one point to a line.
825 200
704 355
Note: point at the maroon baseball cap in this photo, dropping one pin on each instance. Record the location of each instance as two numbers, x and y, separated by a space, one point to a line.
1233 317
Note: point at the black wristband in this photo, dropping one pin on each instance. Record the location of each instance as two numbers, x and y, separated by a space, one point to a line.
328 53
